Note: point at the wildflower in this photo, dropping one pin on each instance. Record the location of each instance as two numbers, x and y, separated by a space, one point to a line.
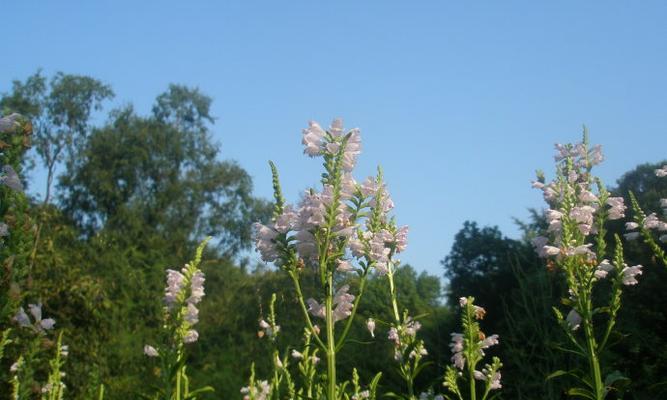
40 325
617 210
150 351
463 301
603 269
489 341
573 319
344 266
296 355
661 172
264 241
479 312
191 336
631 226
457 342
495 381
393 336
651 221
313 139
538 243
9 122
11 179
343 302
459 360
550 250
631 235
629 274
479 375
370 325
175 282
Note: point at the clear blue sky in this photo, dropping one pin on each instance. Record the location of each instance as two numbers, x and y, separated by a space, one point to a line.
458 101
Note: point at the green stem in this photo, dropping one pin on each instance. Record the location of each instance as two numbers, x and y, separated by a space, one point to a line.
348 324
304 310
331 344
392 292
593 360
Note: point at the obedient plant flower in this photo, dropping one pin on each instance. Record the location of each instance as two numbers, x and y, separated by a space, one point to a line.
39 325
183 291
579 208
468 351
337 229
11 179
651 228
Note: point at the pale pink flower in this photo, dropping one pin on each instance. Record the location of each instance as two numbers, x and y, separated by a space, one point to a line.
573 319
370 325
617 210
551 250
150 351
264 241
457 342
603 269
629 274
489 341
495 381
296 355
479 375
344 266
631 226
463 301
313 139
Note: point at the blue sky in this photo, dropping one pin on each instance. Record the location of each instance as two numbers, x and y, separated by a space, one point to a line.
458 101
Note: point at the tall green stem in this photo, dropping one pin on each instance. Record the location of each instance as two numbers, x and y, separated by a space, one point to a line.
331 343
593 360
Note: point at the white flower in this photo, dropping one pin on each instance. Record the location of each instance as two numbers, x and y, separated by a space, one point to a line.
150 351
296 355
617 210
344 266
495 381
489 341
629 274
191 336
370 325
479 375
661 172
313 139
631 235
463 301
457 342
11 178
631 226
573 319
603 269
550 250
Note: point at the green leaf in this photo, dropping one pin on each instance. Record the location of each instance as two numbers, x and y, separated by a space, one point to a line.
581 393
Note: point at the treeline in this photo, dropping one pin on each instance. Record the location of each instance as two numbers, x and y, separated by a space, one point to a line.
134 195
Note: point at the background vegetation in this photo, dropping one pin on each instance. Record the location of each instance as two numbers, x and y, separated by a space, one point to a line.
128 198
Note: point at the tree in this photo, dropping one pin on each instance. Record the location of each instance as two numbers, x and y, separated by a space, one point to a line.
60 112
160 177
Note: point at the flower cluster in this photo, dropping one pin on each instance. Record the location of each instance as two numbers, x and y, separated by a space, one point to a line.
650 222
342 301
333 216
39 325
184 290
468 350
259 390
405 341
